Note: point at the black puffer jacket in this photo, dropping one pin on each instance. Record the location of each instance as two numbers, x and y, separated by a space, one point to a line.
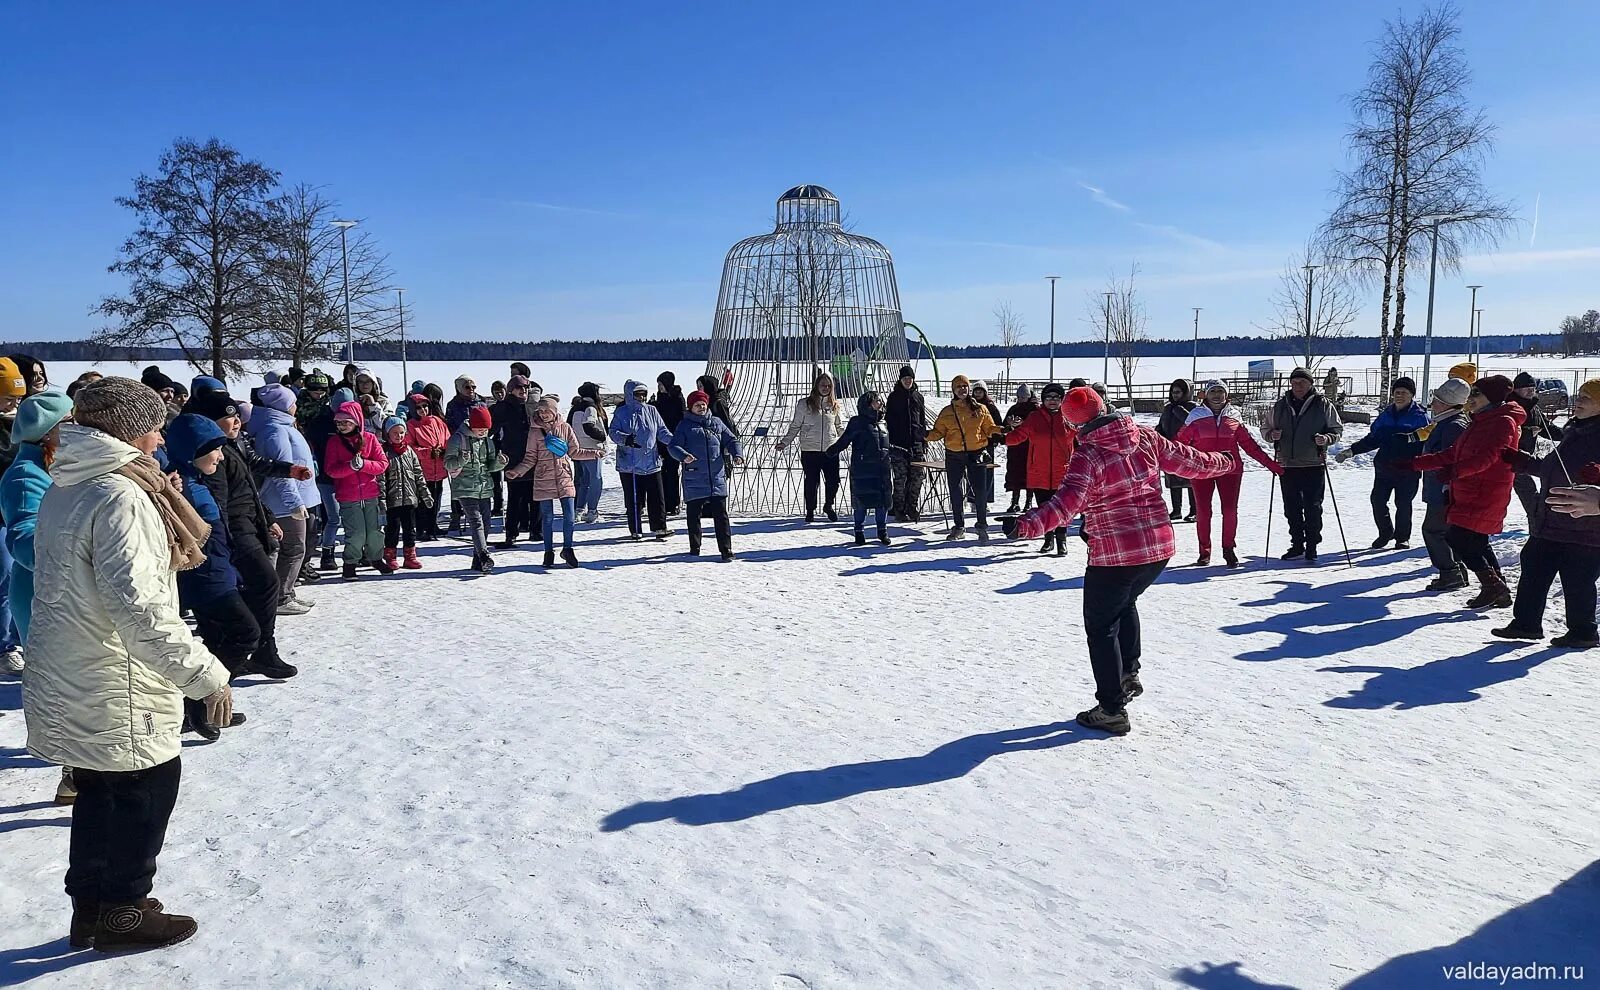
907 419
1576 460
510 430
719 405
1173 417
234 489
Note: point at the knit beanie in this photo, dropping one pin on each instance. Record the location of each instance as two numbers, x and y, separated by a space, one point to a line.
1055 389
667 378
1466 371
1214 385
278 397
191 436
391 423
1453 392
1590 388
906 371
1409 384
959 381
121 407
1024 393
1078 383
1524 380
479 418
205 383
698 396
212 405
153 378
1082 405
318 380
1301 373
38 415
1495 388
980 384
12 384
342 395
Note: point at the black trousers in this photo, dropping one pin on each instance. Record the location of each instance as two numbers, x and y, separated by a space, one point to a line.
1542 562
497 495
1402 487
1436 536
228 628
1040 497
819 465
717 507
428 519
1527 489
1472 549
1303 490
648 487
119 823
959 467
258 584
1111 624
522 512
400 525
671 493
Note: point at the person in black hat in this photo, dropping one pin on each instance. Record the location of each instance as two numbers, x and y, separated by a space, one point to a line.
670 404
1525 393
907 421
1300 426
1390 435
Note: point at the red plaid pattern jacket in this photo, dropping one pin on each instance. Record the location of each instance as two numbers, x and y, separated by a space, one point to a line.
1114 479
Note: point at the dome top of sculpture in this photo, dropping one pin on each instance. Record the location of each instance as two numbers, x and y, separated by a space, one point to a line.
808 191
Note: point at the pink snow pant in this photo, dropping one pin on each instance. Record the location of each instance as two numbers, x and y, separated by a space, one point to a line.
1228 487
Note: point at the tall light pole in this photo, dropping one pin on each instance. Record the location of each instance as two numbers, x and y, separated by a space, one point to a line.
405 374
1472 322
1052 279
1311 271
1105 368
344 254
1477 338
1194 367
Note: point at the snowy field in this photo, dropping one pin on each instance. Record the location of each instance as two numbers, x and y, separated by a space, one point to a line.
829 767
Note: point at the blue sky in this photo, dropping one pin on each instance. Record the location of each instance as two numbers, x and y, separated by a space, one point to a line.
578 171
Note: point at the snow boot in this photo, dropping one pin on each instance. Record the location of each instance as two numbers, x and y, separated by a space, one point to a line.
1311 555
883 536
309 573
1049 542
384 565
488 563
1204 559
349 570
1576 641
273 668
1380 543
1492 591
1132 687
549 558
67 790
86 912
570 557
140 925
956 533
1449 581
1402 544
1294 552
1098 718
1514 631
389 558
832 515
1229 557
727 556
694 546
509 543
861 538
411 561
983 534
1014 507
811 517
194 718
326 563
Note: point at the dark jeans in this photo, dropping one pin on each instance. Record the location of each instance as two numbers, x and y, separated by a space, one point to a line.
228 628
258 584
820 465
1435 535
522 513
1111 624
119 823
400 525
959 467
880 515
907 480
717 507
1472 549
1303 489
671 494
1578 567
1402 486
1175 495
497 480
1527 489
649 487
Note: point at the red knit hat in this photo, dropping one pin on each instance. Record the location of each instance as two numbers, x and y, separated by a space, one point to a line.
1495 388
698 396
1082 404
478 418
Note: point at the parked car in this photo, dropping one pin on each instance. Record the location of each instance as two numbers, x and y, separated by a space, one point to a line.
1553 397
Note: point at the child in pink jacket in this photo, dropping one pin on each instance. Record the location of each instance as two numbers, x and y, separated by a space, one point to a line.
355 461
1214 426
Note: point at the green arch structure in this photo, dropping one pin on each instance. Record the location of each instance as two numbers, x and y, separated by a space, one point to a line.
938 382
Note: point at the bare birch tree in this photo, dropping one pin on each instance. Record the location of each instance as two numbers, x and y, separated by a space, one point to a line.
1416 152
1333 306
1011 328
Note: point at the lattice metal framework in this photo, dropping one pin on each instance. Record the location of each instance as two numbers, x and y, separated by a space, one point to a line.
806 298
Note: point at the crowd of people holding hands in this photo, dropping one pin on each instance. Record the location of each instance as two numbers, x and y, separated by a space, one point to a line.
131 505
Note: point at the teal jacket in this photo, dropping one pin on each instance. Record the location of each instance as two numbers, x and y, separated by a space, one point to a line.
22 488
476 460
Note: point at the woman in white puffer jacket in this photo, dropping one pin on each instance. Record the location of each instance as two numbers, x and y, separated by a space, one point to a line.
110 660
818 422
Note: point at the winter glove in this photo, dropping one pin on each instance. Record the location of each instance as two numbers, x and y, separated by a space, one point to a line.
1343 455
1276 469
1322 439
630 441
1517 459
357 463
219 707
300 472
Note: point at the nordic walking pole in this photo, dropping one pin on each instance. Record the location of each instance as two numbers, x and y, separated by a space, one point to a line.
1272 492
1328 477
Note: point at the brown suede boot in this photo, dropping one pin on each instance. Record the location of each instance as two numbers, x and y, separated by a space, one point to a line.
1492 591
140 925
86 913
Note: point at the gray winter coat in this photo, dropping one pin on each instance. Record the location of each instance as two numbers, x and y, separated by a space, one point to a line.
1300 423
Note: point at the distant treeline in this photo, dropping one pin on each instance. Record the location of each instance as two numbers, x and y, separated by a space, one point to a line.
695 349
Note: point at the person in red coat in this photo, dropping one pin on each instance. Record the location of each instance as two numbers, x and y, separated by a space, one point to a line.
1480 485
1049 442
1214 426
1114 479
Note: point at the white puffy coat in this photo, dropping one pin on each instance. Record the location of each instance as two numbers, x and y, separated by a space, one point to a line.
817 430
109 658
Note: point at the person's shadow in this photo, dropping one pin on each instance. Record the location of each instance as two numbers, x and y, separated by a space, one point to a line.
1447 681
19 966
803 787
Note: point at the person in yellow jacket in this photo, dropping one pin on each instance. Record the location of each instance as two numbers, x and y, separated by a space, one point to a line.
969 434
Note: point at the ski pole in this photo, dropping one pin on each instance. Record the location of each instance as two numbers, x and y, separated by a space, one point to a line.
1272 493
1328 477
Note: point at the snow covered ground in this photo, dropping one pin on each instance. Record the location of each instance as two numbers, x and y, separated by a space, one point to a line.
830 767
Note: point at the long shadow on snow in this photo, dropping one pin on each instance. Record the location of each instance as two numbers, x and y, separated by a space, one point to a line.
19 966
10 695
1556 930
805 787
956 565
1361 619
1040 581
18 759
1448 681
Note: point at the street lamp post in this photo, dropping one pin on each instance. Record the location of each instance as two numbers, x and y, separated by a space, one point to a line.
1194 366
1052 279
405 374
344 255
1477 338
1427 341
1472 323
1311 271
1105 367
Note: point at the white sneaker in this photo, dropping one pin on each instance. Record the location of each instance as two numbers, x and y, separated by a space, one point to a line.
11 662
308 603
293 607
